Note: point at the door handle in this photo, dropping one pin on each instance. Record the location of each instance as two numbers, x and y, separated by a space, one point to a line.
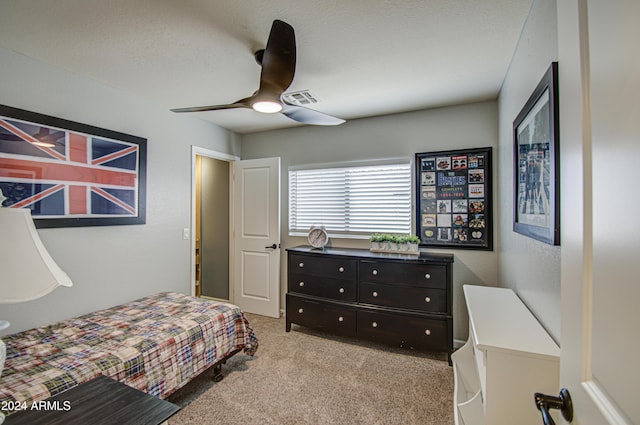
272 246
563 402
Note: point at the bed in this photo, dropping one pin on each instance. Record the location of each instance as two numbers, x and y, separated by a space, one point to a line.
155 344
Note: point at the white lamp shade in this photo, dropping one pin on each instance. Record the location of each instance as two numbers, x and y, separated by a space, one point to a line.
27 271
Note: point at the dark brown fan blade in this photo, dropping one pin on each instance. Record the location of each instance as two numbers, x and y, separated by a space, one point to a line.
309 116
242 103
279 60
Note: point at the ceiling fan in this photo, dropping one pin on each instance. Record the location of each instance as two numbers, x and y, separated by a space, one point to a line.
278 61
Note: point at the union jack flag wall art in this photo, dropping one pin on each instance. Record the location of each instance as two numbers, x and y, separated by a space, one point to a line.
70 174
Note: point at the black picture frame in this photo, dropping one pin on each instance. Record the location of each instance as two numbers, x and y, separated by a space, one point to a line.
454 199
536 203
71 174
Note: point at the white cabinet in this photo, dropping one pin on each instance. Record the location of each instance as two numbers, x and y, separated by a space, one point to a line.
508 357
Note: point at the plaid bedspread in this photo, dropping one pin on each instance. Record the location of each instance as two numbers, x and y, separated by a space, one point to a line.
155 344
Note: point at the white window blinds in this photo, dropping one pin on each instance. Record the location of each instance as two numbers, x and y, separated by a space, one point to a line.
351 200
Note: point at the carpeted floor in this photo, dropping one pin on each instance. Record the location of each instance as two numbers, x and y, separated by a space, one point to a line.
307 377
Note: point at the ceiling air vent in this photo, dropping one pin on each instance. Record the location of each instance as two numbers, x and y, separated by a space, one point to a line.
300 98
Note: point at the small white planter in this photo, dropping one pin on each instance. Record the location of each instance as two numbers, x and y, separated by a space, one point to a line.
390 247
409 248
378 246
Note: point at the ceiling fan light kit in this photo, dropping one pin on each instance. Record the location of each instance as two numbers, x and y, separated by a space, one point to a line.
278 62
267 106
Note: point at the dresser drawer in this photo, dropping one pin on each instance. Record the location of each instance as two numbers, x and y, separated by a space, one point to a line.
404 331
317 265
341 290
407 297
431 276
321 315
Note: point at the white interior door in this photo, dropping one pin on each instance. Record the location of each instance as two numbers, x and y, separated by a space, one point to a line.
256 235
599 89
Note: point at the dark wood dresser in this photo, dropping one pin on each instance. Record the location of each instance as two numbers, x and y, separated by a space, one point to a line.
398 299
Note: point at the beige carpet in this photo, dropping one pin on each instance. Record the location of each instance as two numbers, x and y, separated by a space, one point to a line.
307 377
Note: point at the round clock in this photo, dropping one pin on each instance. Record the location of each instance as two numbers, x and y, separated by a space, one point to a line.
317 236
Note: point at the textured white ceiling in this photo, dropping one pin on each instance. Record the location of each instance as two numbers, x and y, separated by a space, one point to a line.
359 57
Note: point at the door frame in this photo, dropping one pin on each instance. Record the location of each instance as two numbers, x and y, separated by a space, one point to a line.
195 151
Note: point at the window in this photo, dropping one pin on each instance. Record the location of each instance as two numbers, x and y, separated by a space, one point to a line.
351 201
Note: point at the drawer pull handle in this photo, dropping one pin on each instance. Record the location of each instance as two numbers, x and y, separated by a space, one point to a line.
427 332
375 294
375 272
340 319
341 290
341 269
301 283
301 265
374 324
427 276
428 299
300 310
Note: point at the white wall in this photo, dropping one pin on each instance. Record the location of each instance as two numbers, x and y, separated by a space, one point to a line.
400 135
111 265
530 267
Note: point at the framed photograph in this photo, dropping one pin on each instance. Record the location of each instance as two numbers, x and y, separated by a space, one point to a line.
453 199
70 174
536 169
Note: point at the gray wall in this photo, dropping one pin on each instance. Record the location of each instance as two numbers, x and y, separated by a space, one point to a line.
111 265
401 135
529 267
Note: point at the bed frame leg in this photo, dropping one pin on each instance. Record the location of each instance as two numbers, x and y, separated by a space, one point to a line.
217 372
217 367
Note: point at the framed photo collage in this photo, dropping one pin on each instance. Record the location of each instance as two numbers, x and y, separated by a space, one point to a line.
453 199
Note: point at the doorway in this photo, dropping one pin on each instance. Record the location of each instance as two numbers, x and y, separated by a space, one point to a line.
211 224
247 196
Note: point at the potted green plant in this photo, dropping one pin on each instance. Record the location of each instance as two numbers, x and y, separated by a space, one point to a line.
379 242
394 243
401 243
412 244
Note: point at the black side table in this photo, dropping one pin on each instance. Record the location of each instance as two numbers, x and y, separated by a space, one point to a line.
101 401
